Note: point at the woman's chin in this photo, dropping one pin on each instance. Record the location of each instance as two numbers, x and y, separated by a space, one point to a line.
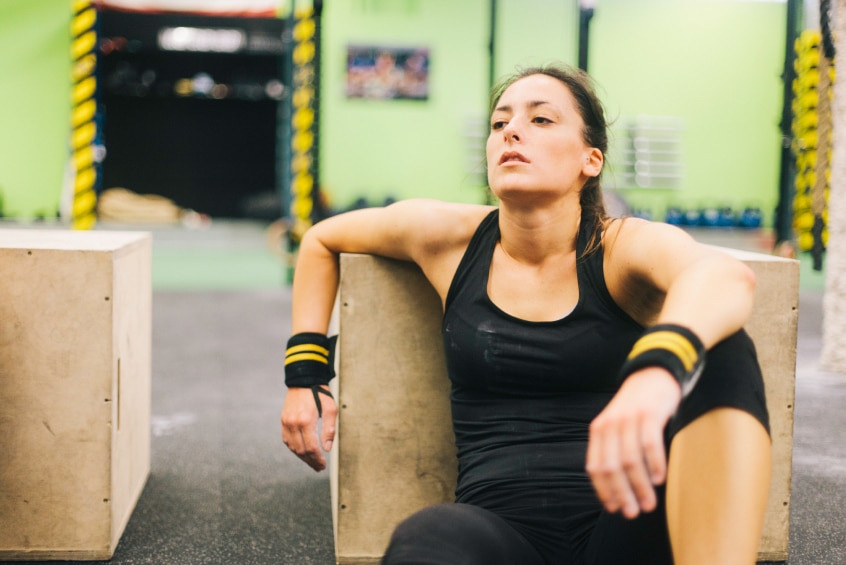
524 193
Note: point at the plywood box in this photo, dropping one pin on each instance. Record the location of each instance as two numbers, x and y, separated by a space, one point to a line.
773 327
75 352
394 451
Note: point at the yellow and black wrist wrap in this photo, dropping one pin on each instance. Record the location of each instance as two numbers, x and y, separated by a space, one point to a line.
672 347
309 360
310 363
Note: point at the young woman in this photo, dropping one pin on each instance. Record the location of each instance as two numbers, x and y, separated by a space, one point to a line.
587 430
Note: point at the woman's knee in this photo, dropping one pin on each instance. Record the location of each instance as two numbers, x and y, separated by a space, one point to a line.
732 379
456 534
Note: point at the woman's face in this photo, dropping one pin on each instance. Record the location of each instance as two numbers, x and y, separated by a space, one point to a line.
536 145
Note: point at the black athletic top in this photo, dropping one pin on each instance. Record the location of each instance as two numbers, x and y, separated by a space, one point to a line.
524 393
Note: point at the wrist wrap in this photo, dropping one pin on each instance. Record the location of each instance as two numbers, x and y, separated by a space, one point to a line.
310 363
672 347
310 360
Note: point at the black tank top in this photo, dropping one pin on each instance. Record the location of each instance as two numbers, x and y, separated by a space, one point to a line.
524 393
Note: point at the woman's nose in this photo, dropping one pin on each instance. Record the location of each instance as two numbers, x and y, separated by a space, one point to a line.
510 131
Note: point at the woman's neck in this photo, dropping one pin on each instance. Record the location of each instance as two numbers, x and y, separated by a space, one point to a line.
535 235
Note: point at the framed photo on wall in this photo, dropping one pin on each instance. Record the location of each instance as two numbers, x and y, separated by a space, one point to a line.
387 73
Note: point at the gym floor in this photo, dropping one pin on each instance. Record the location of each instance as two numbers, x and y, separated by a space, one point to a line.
223 489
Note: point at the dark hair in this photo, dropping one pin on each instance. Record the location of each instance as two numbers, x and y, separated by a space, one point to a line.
595 132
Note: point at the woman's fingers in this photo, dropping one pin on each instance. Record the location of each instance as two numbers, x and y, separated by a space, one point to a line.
299 427
600 465
302 440
655 455
626 455
640 489
327 431
617 467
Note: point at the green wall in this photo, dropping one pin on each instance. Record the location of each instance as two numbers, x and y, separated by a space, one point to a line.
380 148
534 32
716 64
34 105
375 148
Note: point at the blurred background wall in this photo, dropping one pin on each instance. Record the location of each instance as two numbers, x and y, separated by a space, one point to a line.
712 67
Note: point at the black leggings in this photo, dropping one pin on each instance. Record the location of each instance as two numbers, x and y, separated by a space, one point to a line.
462 534
459 534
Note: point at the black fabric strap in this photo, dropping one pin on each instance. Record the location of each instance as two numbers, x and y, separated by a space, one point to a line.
317 391
672 347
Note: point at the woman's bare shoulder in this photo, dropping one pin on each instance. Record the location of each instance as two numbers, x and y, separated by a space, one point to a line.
444 223
428 206
643 258
442 232
408 229
630 236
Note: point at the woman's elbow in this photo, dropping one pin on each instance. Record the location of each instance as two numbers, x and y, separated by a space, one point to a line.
743 283
747 278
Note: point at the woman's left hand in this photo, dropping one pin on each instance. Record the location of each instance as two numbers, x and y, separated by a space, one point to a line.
626 455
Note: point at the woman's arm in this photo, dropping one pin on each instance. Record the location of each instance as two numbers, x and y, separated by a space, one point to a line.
699 287
687 284
430 233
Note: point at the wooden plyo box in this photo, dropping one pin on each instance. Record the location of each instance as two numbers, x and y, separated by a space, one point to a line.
394 452
773 327
75 353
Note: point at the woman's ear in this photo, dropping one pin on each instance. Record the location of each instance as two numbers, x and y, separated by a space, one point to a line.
593 163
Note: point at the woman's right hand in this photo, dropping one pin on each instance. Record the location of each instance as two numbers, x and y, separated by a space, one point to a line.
300 426
626 455
429 233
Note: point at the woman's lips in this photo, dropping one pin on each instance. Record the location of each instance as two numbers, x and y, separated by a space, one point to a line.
512 157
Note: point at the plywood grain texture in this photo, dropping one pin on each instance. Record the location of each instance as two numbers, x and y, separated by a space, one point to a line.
395 453
75 352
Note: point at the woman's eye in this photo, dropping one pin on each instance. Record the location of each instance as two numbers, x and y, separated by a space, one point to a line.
541 120
497 125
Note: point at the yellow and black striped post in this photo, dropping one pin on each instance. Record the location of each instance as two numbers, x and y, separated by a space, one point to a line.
303 135
812 134
83 114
